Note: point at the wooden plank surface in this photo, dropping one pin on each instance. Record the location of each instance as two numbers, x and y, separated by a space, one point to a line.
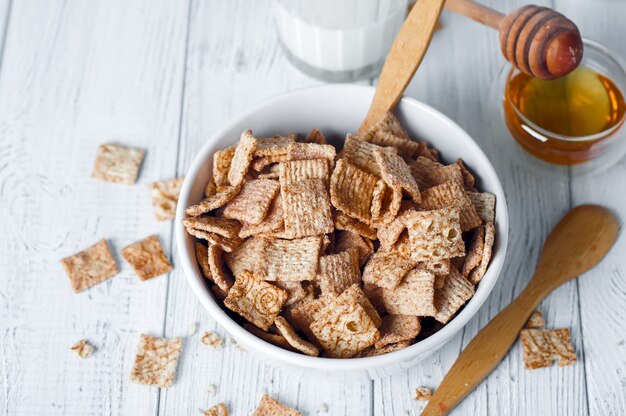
74 75
163 76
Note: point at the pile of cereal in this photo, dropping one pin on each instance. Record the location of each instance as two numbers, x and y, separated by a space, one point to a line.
349 254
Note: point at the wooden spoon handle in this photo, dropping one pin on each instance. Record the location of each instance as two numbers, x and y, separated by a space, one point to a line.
405 56
475 11
484 353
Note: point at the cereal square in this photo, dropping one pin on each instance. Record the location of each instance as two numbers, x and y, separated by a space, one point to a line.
253 201
386 269
217 225
242 158
455 292
146 257
156 361
451 194
395 172
398 328
289 260
351 190
271 407
435 235
117 164
165 198
415 295
306 208
90 266
541 347
339 271
219 409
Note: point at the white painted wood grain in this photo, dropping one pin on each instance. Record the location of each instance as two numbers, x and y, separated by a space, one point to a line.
74 75
602 290
165 75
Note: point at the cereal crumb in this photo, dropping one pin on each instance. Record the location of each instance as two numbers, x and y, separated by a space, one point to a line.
83 348
323 410
212 340
191 329
230 340
217 410
211 390
423 393
240 348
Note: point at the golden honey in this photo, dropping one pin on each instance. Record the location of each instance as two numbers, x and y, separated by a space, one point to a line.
566 121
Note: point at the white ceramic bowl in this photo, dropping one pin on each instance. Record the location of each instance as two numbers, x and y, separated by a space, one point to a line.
336 110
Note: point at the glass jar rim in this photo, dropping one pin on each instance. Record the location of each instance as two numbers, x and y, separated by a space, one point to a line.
541 133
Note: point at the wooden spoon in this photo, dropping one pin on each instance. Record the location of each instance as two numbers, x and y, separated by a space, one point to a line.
537 40
578 242
405 56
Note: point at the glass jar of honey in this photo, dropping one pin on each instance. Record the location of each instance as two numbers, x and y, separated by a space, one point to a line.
576 121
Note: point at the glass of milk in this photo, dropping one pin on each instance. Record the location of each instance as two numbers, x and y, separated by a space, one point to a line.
338 40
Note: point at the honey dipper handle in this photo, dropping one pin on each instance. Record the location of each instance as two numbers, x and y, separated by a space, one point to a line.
475 11
484 352
405 56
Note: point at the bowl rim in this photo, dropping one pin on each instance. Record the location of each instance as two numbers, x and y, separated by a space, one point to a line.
423 347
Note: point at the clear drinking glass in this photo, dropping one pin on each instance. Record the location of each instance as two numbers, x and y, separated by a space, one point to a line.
540 149
338 40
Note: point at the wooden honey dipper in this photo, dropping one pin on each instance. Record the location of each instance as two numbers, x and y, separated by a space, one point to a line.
537 40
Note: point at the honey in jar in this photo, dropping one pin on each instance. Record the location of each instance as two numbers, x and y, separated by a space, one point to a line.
566 121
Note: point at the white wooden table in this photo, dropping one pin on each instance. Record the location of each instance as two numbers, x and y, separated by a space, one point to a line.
163 76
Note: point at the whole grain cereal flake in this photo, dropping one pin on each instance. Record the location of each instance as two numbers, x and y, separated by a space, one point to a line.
306 208
271 407
253 201
451 194
165 198
146 257
293 339
156 361
214 201
217 410
386 269
540 347
536 320
455 292
91 266
415 295
289 260
435 235
301 170
257 301
351 190
345 329
117 164
83 349
428 173
361 154
485 205
246 256
337 272
241 159
212 340
217 225
398 328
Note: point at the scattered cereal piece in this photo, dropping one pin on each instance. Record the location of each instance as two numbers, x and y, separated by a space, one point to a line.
323 410
293 339
117 164
398 328
542 346
289 260
456 291
156 361
146 257
423 393
271 407
351 190
83 349
165 198
217 410
241 159
536 320
212 340
257 301
91 266
211 390
253 201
